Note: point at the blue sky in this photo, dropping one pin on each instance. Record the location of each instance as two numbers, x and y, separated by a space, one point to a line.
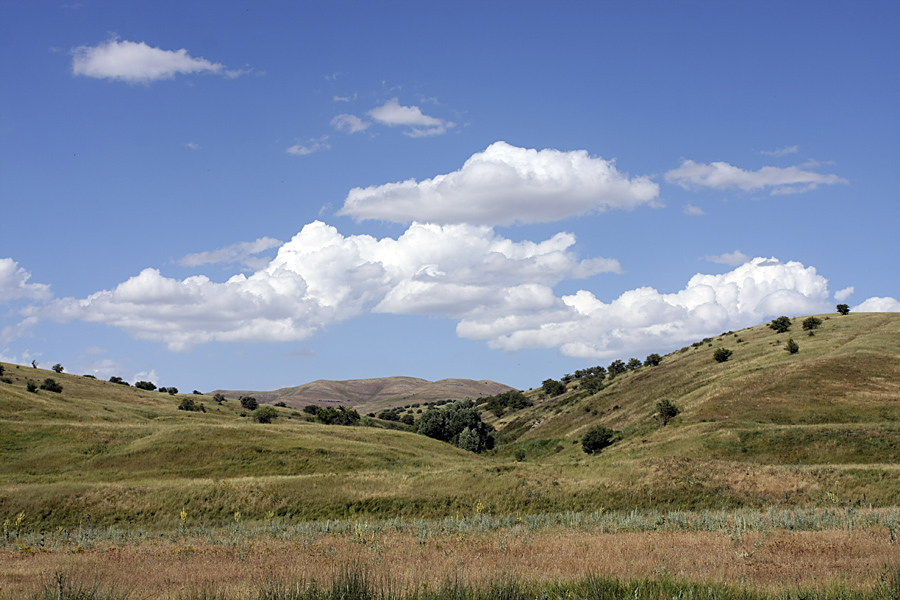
258 195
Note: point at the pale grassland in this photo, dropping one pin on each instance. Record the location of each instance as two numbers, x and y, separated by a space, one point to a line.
767 552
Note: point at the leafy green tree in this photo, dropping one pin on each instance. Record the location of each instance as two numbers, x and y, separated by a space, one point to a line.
249 402
844 309
633 363
616 367
389 415
781 325
118 380
721 354
469 440
58 368
433 424
553 387
811 323
653 360
592 383
31 386
408 419
596 439
666 411
51 386
145 385
792 346
337 416
189 405
264 414
172 391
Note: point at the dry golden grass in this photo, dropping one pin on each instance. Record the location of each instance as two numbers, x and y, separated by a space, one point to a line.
164 568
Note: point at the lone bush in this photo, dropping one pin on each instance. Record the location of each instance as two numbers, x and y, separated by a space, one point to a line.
58 368
653 360
721 354
844 309
792 346
249 402
781 325
51 386
264 414
219 398
666 411
811 323
553 387
189 405
596 439
145 385
31 386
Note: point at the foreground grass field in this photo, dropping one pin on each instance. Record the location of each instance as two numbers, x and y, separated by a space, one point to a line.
832 553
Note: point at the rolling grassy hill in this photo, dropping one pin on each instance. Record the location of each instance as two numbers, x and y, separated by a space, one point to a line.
764 428
371 395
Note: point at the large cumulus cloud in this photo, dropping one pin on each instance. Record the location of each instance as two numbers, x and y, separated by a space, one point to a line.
321 277
646 320
505 185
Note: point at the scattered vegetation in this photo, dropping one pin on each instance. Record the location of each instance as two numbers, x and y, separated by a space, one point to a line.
722 354
781 325
596 439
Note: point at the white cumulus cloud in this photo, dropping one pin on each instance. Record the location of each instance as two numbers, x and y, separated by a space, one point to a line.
503 185
14 283
843 294
646 320
311 147
138 62
878 304
721 175
321 277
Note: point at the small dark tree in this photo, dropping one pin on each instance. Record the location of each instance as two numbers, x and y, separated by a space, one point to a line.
781 325
188 404
721 354
633 364
311 409
811 323
58 368
31 386
1 369
408 419
172 391
844 309
264 414
553 387
119 380
51 386
792 346
249 402
596 439
145 385
653 360
219 398
666 411
616 367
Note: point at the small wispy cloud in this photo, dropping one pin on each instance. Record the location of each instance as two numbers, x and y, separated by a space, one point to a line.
781 151
393 114
694 211
193 145
311 147
242 252
729 258
721 175
349 123
140 63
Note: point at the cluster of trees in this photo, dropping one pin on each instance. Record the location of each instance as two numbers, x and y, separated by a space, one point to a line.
398 415
333 416
498 403
458 423
188 404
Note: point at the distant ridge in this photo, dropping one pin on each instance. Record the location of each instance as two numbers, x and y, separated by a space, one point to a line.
374 394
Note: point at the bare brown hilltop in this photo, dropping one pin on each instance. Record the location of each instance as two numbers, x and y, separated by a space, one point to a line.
368 395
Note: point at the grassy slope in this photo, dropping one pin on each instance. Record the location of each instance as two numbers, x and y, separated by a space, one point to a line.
371 395
764 428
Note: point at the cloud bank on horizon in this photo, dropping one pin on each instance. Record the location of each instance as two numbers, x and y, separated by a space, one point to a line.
454 265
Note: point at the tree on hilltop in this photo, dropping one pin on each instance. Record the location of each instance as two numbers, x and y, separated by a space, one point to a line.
781 325
844 309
